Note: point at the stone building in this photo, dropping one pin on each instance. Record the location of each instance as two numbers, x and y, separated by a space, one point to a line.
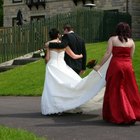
130 6
34 9
37 9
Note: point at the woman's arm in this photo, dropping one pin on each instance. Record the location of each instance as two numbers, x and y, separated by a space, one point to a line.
106 55
72 54
47 57
108 52
133 49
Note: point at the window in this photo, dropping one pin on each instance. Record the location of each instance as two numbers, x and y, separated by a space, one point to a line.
14 21
16 1
35 1
36 18
41 0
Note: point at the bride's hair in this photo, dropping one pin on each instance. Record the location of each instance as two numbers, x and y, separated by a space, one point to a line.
53 33
123 31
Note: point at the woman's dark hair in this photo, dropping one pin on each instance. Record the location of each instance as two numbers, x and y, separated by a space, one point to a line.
123 31
53 33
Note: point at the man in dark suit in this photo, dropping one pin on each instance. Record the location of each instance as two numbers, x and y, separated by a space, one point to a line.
77 45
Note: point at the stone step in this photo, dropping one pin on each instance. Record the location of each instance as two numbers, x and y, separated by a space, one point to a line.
20 61
24 61
36 55
5 68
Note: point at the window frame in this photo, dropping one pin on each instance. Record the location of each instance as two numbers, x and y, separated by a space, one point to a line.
38 17
14 21
17 1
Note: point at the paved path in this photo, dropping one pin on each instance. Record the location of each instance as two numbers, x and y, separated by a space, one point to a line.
24 112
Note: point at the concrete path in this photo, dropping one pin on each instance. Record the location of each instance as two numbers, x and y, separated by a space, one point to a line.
24 112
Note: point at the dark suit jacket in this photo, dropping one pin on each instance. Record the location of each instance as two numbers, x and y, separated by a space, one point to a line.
77 45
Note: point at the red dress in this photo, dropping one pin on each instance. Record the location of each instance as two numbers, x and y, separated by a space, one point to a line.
122 99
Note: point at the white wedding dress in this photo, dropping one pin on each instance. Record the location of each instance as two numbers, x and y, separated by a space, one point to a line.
65 90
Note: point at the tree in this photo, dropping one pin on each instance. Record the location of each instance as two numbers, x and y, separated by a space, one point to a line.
1 13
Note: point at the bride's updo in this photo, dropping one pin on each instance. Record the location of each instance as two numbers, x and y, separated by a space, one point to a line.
53 33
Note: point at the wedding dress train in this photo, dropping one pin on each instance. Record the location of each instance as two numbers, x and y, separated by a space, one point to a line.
65 90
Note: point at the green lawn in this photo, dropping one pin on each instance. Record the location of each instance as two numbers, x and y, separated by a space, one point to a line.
17 134
28 80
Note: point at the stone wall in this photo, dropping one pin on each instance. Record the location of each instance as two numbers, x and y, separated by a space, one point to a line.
131 6
10 12
135 12
111 5
53 7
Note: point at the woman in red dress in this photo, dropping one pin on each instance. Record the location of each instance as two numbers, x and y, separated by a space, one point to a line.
122 99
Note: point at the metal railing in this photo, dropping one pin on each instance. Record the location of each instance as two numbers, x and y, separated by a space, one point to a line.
91 25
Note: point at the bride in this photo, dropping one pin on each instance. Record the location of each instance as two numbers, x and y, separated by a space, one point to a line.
64 89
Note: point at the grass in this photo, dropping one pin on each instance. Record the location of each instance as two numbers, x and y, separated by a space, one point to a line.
24 80
17 134
28 80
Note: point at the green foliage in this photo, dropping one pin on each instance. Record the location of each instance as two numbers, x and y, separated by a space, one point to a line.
24 80
1 12
136 62
16 134
28 80
1 3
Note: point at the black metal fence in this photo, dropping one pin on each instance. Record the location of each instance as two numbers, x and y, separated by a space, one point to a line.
91 25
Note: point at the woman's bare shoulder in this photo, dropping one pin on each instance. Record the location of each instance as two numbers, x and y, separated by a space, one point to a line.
114 37
130 39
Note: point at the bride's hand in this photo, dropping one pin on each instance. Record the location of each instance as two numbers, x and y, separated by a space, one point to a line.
81 55
96 67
